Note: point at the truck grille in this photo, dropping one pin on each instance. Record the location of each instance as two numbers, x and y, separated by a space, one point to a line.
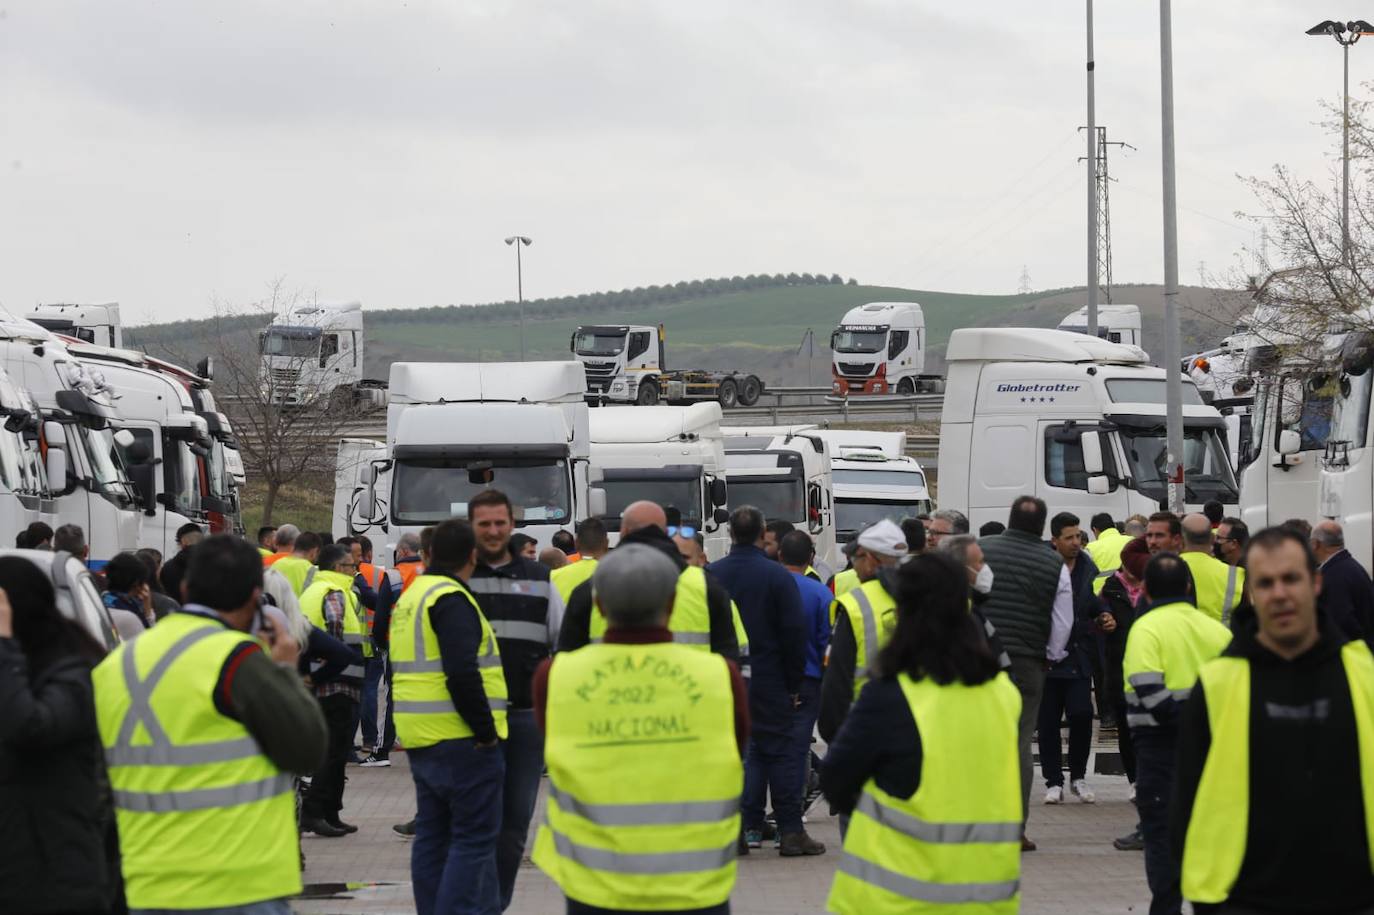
285 378
599 376
856 369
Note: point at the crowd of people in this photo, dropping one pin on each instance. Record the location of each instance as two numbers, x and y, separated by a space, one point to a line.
177 772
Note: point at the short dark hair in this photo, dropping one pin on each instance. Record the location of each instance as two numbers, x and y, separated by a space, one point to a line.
330 556
795 548
518 542
487 498
223 573
914 533
265 530
152 559
452 543
326 537
564 541
72 539
189 528
366 542
591 535
1214 511
346 542
1167 578
779 528
426 538
1271 538
1240 531
1061 521
124 572
39 532
746 525
1102 521
991 529
1174 521
1028 515
1300 526
308 541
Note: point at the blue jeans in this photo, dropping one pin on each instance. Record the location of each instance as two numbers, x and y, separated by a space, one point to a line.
378 673
1154 783
803 727
457 820
524 751
772 768
266 907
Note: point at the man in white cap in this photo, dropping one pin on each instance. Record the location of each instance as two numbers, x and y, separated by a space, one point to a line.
864 618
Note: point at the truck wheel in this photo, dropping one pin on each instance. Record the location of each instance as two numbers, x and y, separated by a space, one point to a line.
906 387
728 394
750 391
648 394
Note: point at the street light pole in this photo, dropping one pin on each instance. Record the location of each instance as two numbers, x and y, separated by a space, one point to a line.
1092 184
1173 390
1346 34
524 241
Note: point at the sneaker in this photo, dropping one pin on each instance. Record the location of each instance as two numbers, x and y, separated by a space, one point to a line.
1054 794
753 838
1079 788
1133 842
373 761
797 844
405 830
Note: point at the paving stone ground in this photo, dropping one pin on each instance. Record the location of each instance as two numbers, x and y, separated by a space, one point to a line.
1076 869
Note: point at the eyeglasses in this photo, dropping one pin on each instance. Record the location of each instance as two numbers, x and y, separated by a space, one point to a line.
685 531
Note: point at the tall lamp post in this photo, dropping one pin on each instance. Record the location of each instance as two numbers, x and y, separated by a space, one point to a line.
1173 391
1346 34
524 241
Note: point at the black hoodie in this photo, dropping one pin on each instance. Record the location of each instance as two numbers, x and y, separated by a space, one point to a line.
1306 846
577 616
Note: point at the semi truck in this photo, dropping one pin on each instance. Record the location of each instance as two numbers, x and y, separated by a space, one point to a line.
313 355
24 493
626 363
784 471
98 324
880 348
674 456
1073 419
1346 474
455 429
1115 324
873 479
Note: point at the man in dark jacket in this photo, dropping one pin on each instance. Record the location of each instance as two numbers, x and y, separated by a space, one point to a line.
770 607
1269 812
1031 604
1347 597
645 522
174 569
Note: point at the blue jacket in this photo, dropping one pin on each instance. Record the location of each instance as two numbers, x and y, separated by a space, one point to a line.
770 607
816 599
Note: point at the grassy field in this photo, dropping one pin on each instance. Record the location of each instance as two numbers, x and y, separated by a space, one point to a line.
308 504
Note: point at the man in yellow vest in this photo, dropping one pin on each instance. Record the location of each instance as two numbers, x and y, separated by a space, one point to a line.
1276 754
202 724
592 544
330 604
267 540
283 542
1165 649
1105 548
450 706
299 568
1218 585
623 830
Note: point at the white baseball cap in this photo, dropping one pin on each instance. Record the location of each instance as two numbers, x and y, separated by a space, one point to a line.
884 538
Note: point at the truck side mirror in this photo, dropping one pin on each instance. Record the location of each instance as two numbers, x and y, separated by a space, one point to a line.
718 496
480 473
1091 443
368 476
141 475
1289 442
813 509
596 502
57 468
720 516
367 501
1099 485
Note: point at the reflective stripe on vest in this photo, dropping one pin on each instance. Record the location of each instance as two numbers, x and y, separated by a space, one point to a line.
870 633
354 631
1228 604
690 621
623 829
958 838
1214 846
423 707
183 776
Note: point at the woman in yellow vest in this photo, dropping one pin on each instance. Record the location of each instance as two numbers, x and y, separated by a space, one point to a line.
926 764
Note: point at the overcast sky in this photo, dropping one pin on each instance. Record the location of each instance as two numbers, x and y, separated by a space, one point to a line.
173 154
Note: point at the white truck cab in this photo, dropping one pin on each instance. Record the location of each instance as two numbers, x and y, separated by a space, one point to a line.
628 363
674 456
24 494
98 324
874 478
784 471
1346 477
353 456
1115 324
1073 419
880 348
314 353
455 429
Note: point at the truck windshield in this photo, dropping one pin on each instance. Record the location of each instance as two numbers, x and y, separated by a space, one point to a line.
1350 419
216 475
1147 390
781 498
886 478
429 490
846 340
594 344
1206 466
297 342
107 473
684 495
852 515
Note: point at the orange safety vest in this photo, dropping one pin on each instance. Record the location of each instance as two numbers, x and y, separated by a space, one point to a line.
268 560
408 571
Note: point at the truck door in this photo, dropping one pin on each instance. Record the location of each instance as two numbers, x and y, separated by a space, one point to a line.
1001 466
1063 477
637 355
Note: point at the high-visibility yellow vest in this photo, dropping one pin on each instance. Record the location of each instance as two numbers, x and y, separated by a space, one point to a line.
1217 586
205 819
566 579
312 606
1214 849
690 621
1106 555
423 706
264 554
954 845
1164 652
623 828
298 571
845 582
873 618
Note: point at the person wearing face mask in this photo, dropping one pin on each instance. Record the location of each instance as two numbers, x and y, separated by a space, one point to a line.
964 549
